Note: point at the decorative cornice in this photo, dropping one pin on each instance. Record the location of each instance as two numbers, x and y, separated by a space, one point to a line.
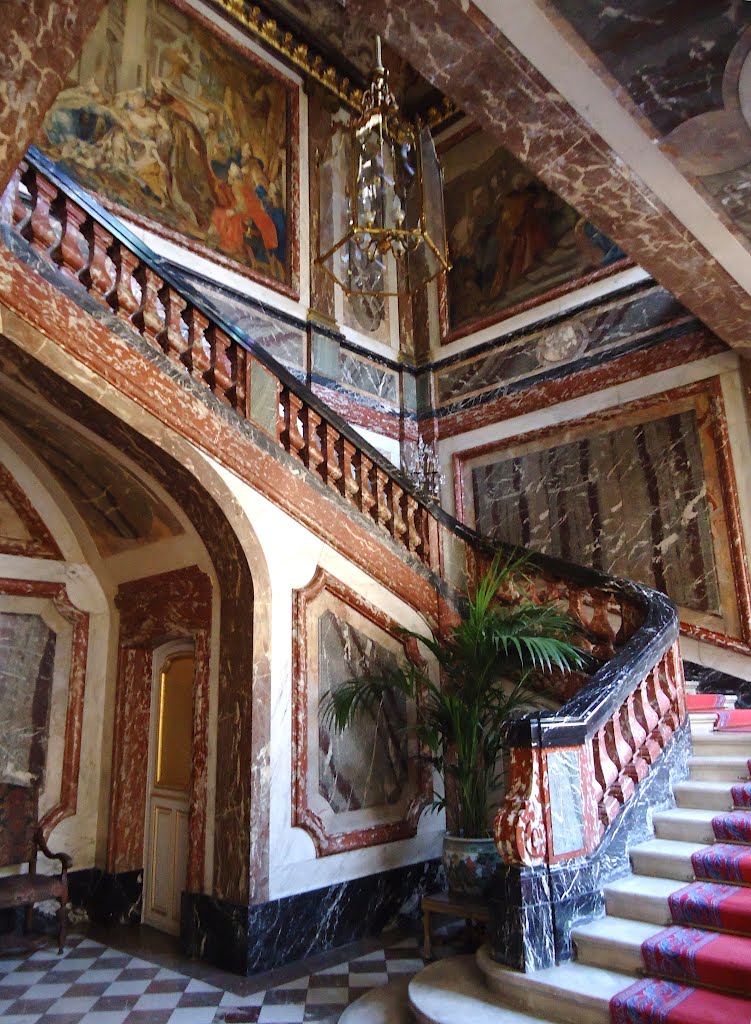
299 54
303 57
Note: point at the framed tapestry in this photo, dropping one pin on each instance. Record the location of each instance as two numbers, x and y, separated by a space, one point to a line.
178 127
513 243
364 786
646 491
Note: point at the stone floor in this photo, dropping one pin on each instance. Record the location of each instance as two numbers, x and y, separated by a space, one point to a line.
94 983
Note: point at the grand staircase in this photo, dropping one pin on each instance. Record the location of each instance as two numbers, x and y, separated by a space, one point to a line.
675 944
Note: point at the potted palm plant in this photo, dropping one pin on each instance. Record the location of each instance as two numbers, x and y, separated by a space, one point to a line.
485 664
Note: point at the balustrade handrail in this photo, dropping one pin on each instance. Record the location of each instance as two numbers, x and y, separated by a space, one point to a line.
165 269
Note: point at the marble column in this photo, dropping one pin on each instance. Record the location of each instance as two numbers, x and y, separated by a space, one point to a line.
42 40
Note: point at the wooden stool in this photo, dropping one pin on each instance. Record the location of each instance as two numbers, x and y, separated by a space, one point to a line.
454 906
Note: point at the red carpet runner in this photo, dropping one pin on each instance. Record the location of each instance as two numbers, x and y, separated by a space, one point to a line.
701 966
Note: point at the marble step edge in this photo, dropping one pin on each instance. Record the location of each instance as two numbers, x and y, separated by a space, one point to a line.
723 743
613 942
685 824
571 993
453 991
616 943
703 722
641 897
703 795
665 858
718 769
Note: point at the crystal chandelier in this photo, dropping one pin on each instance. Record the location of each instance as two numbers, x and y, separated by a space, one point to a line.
382 228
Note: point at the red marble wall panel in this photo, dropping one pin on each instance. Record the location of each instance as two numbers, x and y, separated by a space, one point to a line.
55 592
39 542
154 610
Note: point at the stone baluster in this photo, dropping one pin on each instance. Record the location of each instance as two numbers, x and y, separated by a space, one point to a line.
312 453
122 298
424 521
67 252
635 735
621 754
399 523
382 513
674 668
238 390
631 619
15 210
606 774
171 339
648 719
96 276
600 623
330 468
668 684
219 374
197 354
413 539
366 498
290 436
660 701
350 483
39 230
149 319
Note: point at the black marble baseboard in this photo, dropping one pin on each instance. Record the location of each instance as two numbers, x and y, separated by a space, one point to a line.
711 680
533 910
247 940
107 898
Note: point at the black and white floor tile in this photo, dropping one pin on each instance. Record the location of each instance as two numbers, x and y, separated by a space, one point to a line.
93 984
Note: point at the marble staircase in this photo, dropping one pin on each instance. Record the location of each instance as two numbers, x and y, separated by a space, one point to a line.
609 949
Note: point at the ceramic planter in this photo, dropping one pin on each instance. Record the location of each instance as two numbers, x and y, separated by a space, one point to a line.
469 864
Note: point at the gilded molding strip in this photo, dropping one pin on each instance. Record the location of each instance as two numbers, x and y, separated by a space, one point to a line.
312 64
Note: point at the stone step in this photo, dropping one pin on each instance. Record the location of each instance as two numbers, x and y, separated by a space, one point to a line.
702 722
665 858
388 1004
708 796
452 991
718 769
571 993
686 824
724 744
641 898
613 943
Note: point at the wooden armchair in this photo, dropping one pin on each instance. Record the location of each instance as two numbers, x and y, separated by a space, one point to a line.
26 890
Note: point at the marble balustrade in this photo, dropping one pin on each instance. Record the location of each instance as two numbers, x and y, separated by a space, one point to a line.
564 794
59 224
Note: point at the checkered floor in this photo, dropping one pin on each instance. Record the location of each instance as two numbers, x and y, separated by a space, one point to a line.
93 984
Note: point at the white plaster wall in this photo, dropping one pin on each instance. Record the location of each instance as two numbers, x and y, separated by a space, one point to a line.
726 366
91 584
293 554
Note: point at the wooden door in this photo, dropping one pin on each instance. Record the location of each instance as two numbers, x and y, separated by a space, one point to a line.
170 759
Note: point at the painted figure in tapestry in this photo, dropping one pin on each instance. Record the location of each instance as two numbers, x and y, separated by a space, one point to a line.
509 237
169 121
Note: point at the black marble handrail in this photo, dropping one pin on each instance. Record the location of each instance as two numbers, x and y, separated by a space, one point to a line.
599 700
166 271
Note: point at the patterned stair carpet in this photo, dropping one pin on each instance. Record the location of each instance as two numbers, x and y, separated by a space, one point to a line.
733 721
700 967
704 701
